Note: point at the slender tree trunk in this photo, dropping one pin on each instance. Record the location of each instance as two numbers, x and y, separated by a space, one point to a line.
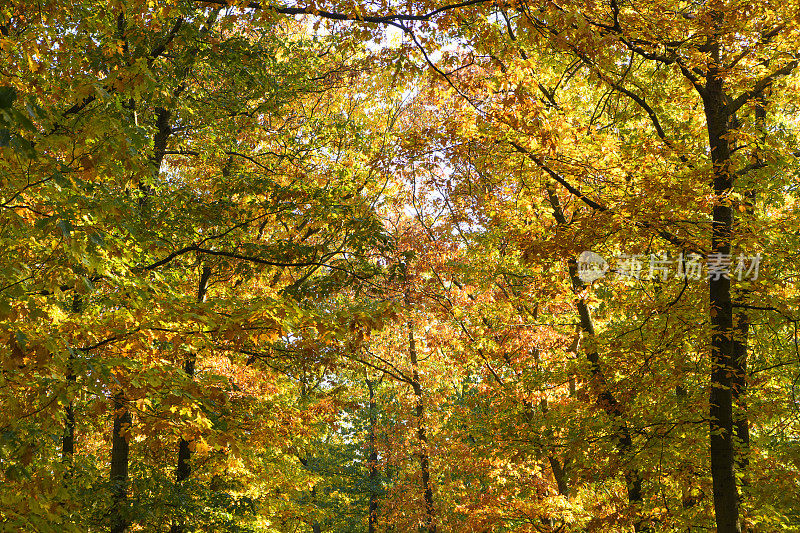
600 386
741 426
119 464
422 435
68 437
723 359
184 467
559 469
372 462
741 324
315 527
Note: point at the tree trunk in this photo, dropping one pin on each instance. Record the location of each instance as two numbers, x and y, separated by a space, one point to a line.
68 437
315 527
422 435
372 462
559 469
600 386
184 468
119 464
560 475
741 426
726 496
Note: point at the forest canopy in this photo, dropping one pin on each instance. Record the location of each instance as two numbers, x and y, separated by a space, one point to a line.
480 266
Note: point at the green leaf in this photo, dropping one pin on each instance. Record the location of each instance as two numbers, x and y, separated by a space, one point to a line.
22 120
22 339
7 97
66 227
98 239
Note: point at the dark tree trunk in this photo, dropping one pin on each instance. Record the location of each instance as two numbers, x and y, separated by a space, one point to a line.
315 526
600 386
119 464
560 475
68 437
741 426
184 467
559 469
372 462
422 435
726 495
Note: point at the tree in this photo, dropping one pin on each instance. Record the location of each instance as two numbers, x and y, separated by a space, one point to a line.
279 266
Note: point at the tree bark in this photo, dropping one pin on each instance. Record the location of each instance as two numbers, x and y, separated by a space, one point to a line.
372 462
600 386
560 475
559 469
726 495
68 437
315 526
741 426
184 467
119 464
422 435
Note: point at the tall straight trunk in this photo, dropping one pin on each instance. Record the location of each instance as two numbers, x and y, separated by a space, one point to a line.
68 437
119 464
726 495
741 425
422 434
120 451
559 469
372 462
560 472
315 526
184 468
600 386
741 324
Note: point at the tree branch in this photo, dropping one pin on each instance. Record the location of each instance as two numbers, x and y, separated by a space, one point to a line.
664 234
375 19
759 87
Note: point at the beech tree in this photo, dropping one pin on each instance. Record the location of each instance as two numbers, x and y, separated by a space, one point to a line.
280 267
